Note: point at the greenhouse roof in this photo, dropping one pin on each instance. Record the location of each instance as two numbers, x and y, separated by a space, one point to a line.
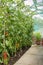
35 5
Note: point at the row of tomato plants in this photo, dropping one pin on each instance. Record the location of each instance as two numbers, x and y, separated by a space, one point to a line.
16 30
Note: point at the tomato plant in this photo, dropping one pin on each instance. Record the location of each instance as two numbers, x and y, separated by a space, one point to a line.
16 26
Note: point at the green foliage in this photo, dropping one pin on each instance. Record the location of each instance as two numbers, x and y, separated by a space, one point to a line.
16 26
38 36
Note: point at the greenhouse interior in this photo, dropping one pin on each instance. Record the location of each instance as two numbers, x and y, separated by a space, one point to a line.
21 27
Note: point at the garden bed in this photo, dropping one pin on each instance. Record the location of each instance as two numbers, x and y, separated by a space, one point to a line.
16 31
19 54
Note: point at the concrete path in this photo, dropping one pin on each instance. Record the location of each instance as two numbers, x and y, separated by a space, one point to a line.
34 56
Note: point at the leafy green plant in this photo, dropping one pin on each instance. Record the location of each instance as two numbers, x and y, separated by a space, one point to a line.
38 36
16 26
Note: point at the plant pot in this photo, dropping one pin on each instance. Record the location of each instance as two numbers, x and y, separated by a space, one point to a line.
38 42
42 41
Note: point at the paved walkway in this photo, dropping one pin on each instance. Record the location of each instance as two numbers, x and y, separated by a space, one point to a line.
34 56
